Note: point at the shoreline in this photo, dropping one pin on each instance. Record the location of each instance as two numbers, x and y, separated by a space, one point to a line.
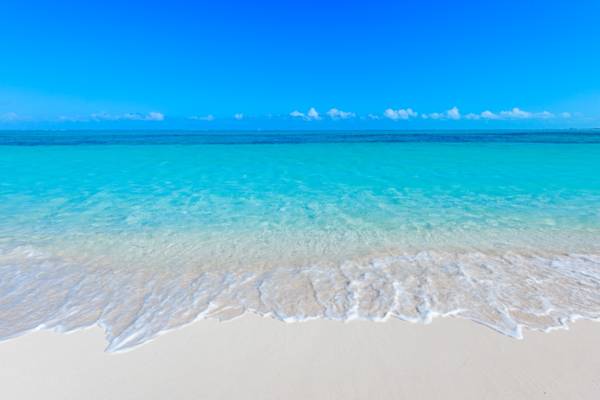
256 357
523 330
506 294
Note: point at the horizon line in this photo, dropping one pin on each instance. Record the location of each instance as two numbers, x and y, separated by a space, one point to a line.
258 130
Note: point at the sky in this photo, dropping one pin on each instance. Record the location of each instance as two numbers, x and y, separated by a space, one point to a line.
299 65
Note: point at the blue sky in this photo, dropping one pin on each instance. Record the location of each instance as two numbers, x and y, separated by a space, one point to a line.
304 65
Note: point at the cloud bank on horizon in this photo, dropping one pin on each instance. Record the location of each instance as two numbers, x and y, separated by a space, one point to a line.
310 115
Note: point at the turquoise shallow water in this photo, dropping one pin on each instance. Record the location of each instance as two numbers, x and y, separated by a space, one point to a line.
143 232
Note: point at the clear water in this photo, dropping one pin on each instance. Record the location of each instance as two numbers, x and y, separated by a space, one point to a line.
141 232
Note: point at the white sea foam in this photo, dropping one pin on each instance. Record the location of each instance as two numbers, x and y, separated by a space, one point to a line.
506 291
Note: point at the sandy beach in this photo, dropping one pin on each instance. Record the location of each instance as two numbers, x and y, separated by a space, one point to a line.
259 358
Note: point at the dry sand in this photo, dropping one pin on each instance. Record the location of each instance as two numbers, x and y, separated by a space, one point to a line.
256 358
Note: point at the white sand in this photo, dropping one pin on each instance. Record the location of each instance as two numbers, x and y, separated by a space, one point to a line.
255 358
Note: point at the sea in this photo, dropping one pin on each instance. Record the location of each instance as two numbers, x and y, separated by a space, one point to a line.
141 232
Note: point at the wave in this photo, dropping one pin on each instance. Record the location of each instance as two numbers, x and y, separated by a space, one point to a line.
506 291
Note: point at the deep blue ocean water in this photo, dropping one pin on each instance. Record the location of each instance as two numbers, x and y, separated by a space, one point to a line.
91 137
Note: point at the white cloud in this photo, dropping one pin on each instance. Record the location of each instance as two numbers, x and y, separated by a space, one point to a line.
391 114
453 113
487 114
66 118
313 114
155 116
516 113
433 116
544 115
400 114
9 117
373 116
208 117
297 114
238 116
334 113
151 116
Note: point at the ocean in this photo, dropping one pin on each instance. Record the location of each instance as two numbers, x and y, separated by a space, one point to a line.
142 232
